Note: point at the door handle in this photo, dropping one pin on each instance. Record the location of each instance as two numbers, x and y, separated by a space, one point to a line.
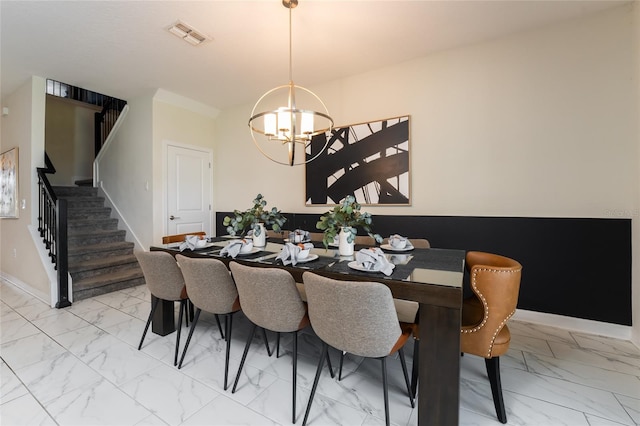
172 217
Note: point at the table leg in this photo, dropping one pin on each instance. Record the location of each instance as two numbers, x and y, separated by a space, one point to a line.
439 382
163 321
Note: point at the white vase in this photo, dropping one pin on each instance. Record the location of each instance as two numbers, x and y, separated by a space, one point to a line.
260 240
345 248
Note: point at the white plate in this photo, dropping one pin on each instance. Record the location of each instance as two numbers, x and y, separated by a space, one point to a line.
358 267
308 258
408 247
252 251
206 246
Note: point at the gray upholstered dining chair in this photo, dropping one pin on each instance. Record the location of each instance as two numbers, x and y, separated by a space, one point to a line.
165 282
270 300
358 318
210 289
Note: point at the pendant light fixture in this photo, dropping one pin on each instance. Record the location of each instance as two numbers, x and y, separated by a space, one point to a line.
279 121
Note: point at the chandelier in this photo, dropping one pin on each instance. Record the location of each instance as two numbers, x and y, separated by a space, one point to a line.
281 122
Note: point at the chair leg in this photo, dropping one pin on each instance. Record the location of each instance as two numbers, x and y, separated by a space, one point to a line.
183 307
342 354
493 371
190 310
403 362
154 305
278 344
415 369
266 342
219 326
244 357
385 390
295 373
186 345
323 354
227 324
329 363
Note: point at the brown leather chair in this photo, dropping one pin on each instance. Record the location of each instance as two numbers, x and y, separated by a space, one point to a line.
178 238
495 281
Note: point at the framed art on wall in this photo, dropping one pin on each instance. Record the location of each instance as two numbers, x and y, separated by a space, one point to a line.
368 160
9 183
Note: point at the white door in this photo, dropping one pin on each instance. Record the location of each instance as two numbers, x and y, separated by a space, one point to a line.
188 190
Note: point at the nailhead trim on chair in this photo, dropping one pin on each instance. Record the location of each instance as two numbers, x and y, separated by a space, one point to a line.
486 308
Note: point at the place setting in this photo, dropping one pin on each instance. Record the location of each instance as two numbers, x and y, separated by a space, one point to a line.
195 242
397 243
372 259
292 254
239 248
298 236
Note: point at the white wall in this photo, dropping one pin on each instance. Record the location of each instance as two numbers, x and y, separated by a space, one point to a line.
537 124
69 139
127 164
180 122
24 128
540 124
131 170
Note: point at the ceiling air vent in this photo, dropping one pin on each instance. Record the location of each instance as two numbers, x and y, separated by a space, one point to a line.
187 33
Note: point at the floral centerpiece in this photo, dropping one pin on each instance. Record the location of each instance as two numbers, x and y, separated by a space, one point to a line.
242 222
345 217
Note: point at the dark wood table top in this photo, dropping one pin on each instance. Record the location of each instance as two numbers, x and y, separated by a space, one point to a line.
423 275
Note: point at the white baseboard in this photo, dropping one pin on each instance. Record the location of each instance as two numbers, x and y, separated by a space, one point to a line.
122 223
49 267
615 331
38 294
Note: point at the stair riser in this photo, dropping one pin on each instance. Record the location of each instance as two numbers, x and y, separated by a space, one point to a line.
81 275
71 191
96 291
85 240
84 214
81 257
83 228
79 203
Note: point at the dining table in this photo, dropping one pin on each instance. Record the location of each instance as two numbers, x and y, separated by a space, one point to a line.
432 277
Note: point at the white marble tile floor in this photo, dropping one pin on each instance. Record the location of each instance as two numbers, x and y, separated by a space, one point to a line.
81 366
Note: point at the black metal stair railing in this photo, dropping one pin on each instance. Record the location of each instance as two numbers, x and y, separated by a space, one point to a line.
105 120
52 226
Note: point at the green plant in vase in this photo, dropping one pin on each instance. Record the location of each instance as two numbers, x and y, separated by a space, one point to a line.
242 221
346 216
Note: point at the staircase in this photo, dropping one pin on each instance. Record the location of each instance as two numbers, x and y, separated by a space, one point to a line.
100 260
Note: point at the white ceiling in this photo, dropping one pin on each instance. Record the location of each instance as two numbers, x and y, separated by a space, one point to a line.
123 48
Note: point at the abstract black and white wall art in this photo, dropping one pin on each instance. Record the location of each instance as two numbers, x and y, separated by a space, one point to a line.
368 160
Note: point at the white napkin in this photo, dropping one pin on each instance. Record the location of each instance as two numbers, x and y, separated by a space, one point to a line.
396 241
373 259
235 246
189 242
289 253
